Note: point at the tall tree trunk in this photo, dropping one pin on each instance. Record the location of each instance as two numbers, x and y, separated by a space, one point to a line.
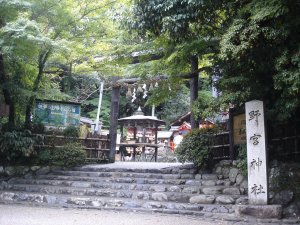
42 61
6 93
194 88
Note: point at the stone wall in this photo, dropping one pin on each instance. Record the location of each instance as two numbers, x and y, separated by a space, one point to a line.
284 183
13 171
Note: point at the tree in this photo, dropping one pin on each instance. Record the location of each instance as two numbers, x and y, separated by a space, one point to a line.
175 106
187 31
260 52
47 43
19 38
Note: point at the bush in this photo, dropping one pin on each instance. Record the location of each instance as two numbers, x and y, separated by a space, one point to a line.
242 159
71 154
71 131
15 146
44 156
195 147
38 128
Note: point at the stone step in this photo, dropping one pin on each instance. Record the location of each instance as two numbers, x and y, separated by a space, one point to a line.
68 180
122 174
119 179
154 193
202 177
105 203
191 182
187 169
107 184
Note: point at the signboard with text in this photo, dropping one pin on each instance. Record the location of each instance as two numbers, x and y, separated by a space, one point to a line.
239 129
57 114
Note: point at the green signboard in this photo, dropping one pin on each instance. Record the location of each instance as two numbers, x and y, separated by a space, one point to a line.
57 114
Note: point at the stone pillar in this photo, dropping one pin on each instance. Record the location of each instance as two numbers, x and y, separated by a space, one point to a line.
256 153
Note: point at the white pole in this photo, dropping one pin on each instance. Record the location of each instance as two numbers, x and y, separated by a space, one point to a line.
153 110
99 107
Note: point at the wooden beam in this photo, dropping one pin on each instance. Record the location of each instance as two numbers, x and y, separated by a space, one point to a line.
194 74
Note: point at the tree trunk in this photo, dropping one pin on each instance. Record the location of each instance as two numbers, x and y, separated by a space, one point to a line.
194 89
6 93
42 61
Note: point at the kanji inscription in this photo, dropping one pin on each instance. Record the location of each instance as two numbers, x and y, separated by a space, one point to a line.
256 153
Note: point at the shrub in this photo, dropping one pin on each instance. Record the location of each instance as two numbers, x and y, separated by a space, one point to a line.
242 159
71 131
195 147
38 128
16 145
71 154
44 156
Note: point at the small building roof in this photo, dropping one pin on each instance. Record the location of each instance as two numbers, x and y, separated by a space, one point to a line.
87 120
183 118
164 134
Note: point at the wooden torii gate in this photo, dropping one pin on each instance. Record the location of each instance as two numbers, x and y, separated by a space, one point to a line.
115 99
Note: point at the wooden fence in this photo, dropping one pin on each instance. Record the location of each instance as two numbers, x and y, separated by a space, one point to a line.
221 146
97 148
283 141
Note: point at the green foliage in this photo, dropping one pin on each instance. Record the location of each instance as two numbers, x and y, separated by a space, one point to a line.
38 128
242 159
175 106
90 107
195 147
71 131
44 156
16 145
51 43
71 154
260 52
203 107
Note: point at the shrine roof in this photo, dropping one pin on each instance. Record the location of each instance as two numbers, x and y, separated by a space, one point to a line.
140 118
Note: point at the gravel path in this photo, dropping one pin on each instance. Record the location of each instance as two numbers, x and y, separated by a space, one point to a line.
25 215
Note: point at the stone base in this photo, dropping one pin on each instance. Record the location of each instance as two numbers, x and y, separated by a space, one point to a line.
259 211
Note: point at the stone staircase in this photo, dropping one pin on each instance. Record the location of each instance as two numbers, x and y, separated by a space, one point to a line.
178 190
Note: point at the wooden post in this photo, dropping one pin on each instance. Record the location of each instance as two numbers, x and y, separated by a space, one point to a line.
134 138
114 114
156 139
296 136
194 90
230 126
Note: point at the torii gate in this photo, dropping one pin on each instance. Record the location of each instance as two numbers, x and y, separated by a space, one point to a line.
115 99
